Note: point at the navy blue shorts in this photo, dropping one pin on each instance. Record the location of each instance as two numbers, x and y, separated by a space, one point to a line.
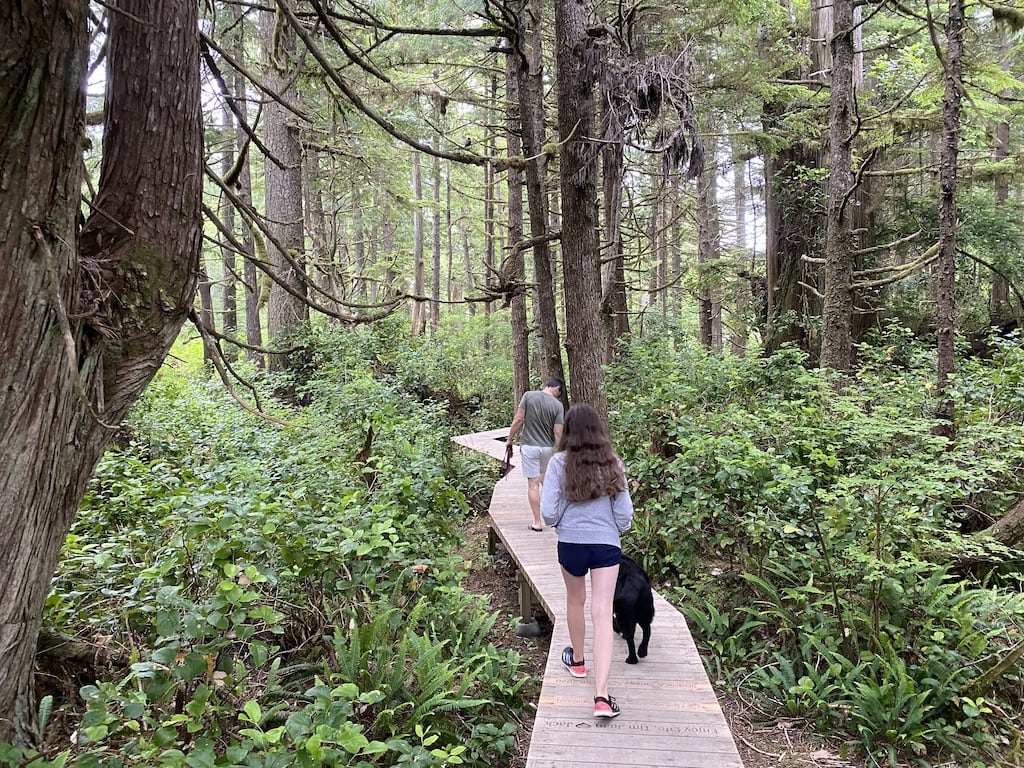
577 559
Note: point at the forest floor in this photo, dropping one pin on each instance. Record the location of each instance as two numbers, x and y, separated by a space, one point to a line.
762 742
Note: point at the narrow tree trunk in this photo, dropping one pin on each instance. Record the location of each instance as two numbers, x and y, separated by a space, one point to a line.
467 259
661 252
515 269
228 257
738 318
945 296
359 246
388 244
709 253
75 359
999 304
250 272
319 259
418 308
654 224
449 280
206 315
371 273
435 248
490 193
675 253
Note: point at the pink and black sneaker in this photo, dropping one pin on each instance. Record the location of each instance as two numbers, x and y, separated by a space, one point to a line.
576 668
605 707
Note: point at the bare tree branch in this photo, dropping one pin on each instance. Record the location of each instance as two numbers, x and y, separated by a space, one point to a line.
458 156
221 364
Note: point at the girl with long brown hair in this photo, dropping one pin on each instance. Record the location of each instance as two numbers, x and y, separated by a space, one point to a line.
586 499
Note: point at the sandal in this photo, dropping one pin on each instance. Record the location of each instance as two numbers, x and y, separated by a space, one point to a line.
535 528
605 707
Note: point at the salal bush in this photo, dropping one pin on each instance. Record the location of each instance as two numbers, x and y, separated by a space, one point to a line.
820 539
285 593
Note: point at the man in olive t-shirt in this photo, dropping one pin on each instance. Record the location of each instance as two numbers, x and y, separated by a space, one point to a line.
539 419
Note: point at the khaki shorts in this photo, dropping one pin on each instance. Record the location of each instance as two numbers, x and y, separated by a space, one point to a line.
534 459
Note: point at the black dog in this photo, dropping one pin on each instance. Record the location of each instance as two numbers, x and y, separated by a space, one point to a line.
633 605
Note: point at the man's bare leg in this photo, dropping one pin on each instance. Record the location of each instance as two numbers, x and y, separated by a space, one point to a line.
533 485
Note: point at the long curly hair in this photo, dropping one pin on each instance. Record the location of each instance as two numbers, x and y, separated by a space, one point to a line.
592 468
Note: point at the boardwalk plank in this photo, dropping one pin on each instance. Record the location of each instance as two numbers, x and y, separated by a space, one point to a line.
670 716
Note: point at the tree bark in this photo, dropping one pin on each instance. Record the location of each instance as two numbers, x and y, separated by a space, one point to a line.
945 297
530 73
738 330
614 308
322 254
359 265
791 219
515 269
709 252
250 272
287 313
490 194
469 282
1009 529
999 304
435 247
418 308
451 284
85 318
578 57
206 314
229 260
837 309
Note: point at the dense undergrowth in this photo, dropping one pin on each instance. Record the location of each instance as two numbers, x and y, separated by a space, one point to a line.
820 543
287 595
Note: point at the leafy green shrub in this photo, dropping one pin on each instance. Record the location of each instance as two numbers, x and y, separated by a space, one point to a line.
820 539
237 562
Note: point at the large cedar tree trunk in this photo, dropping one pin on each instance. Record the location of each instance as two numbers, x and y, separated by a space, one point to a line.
791 221
85 318
577 57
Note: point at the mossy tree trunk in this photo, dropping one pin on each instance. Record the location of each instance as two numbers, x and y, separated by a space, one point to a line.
86 317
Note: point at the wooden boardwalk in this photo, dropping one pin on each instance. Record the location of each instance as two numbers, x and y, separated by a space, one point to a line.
670 716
